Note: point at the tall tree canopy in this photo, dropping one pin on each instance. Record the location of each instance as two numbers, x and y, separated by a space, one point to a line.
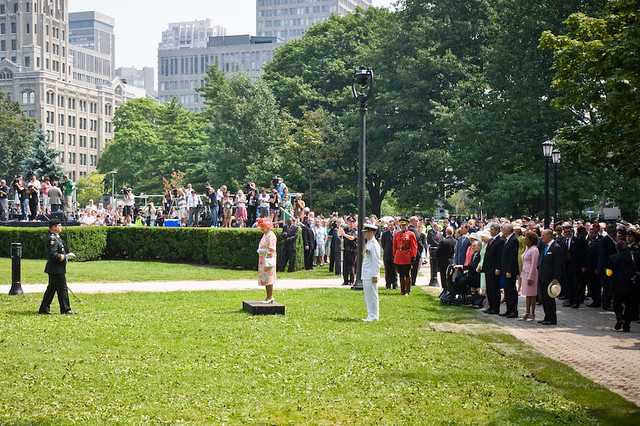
17 133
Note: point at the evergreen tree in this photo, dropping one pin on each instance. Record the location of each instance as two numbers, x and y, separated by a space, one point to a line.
42 160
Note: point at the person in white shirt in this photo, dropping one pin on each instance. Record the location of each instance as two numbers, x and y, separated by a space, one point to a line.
371 272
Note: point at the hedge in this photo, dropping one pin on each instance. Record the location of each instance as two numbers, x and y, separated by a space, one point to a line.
231 248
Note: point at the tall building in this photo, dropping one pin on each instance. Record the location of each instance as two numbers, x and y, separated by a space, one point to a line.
92 39
191 34
37 70
142 78
289 19
182 70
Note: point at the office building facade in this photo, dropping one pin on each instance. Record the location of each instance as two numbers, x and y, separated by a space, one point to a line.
142 78
92 44
182 71
190 35
37 71
289 19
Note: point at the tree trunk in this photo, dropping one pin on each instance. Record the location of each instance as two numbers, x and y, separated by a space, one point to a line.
377 192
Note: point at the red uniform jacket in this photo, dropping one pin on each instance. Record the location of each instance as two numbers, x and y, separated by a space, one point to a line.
405 247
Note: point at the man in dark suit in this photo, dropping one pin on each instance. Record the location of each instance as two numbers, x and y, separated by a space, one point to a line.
462 245
624 274
607 249
309 241
510 270
550 268
434 236
491 268
581 265
386 241
414 226
56 268
290 235
594 285
568 244
445 251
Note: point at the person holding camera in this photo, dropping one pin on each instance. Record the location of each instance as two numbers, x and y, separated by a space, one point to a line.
56 268
129 204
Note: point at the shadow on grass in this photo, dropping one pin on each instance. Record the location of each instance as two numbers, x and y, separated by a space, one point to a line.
345 320
29 313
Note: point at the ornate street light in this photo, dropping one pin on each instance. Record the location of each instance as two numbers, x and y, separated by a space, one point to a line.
362 89
547 151
555 158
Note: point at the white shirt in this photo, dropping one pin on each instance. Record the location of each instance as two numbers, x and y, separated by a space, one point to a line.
371 260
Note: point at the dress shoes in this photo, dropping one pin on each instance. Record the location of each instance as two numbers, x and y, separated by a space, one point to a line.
549 323
512 315
44 313
68 313
618 326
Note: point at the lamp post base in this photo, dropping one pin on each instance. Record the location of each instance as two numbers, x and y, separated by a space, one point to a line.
16 290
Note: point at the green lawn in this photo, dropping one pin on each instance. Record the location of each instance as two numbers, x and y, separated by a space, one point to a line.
184 358
119 271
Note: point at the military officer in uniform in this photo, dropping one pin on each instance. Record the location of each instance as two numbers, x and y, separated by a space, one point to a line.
350 244
56 268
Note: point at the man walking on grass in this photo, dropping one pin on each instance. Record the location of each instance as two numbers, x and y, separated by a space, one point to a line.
56 268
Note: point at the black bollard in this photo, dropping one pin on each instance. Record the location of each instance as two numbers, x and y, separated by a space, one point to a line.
16 269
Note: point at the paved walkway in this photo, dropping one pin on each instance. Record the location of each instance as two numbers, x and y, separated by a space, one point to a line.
170 286
585 340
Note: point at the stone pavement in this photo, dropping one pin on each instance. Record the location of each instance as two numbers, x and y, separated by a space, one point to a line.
170 286
585 340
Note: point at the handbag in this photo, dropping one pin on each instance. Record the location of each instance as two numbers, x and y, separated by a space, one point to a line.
269 262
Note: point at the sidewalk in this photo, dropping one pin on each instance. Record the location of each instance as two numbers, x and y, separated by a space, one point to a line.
171 286
585 340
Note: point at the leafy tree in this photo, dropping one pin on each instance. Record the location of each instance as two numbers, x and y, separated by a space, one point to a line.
152 140
596 66
16 136
90 187
41 160
244 129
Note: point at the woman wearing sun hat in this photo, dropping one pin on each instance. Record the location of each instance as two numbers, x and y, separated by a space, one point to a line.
267 257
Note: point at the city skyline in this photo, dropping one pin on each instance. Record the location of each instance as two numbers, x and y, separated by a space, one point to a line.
137 45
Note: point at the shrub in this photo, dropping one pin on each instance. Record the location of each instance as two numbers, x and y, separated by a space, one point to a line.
168 244
231 248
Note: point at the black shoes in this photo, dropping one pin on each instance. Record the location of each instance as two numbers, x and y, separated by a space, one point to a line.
618 326
549 323
490 312
68 313
512 315
44 313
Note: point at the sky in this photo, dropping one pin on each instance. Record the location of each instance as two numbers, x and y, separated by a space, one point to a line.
139 23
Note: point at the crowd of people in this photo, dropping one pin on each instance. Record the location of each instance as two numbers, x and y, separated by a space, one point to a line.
27 199
487 264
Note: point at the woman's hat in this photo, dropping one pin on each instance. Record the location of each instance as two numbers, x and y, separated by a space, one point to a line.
263 222
403 221
369 227
554 289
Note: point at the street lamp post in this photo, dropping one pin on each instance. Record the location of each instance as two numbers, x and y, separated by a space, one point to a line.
113 174
362 88
547 150
555 158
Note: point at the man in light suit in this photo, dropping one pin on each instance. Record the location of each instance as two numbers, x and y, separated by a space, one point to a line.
550 268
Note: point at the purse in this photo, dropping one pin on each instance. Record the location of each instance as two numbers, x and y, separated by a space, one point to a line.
269 262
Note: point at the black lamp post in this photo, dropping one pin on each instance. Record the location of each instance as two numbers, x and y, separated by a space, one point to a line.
555 158
362 88
547 150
